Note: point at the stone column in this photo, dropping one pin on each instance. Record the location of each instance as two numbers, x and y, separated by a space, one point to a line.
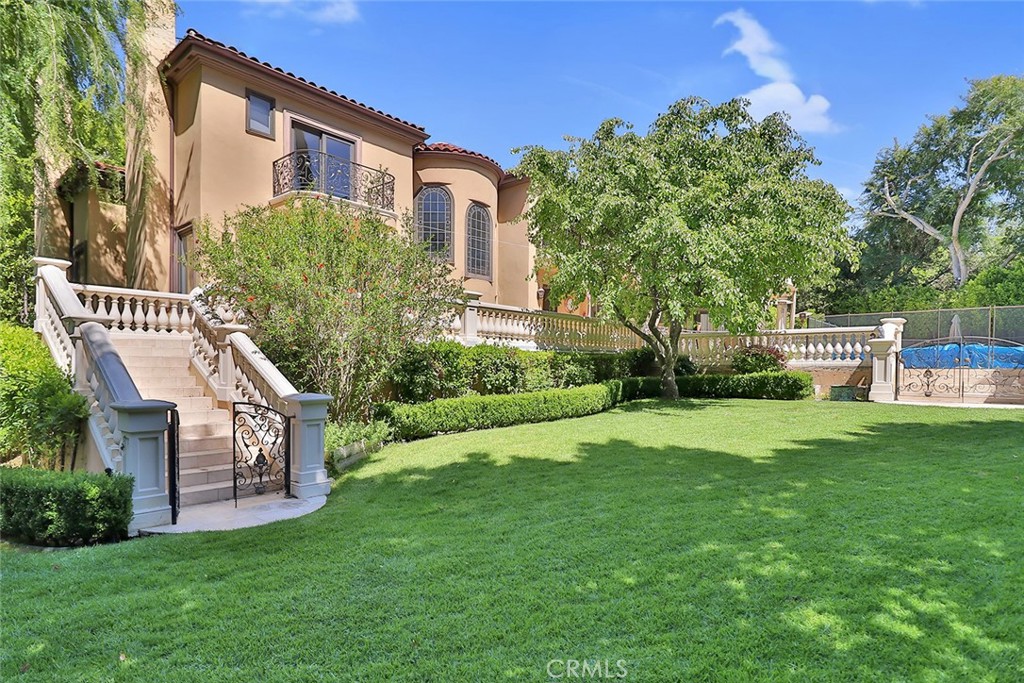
309 477
143 426
884 356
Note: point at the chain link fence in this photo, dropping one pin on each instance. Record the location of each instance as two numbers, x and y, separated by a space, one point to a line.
997 322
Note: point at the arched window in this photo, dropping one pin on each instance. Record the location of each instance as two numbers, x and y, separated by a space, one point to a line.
478 242
434 220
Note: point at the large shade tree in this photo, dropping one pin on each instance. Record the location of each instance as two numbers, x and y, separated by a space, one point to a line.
711 210
961 177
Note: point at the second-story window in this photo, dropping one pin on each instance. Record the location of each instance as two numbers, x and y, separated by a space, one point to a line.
478 242
434 220
259 114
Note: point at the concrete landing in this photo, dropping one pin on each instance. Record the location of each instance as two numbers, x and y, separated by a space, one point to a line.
251 511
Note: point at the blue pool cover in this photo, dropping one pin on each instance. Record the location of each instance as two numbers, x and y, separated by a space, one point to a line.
981 356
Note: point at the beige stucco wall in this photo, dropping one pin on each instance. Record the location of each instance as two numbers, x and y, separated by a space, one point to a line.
101 226
517 285
220 167
469 182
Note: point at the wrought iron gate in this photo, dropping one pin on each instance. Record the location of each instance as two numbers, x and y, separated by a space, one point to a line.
964 369
173 494
262 449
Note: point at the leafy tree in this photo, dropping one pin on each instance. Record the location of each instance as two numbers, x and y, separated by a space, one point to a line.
710 210
960 174
332 296
62 99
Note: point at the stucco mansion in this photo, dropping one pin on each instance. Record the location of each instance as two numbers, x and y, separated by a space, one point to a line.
226 130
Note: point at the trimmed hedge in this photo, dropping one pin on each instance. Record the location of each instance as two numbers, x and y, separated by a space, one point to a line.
445 369
44 507
447 415
785 386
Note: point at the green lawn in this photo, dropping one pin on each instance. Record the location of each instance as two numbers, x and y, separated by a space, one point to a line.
696 541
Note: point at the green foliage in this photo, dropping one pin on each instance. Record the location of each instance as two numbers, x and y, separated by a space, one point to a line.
486 412
758 359
995 286
447 369
331 295
711 210
434 370
64 508
960 174
373 433
495 369
62 100
782 386
40 414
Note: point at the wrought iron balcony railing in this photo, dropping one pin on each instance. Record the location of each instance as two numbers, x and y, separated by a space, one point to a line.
311 171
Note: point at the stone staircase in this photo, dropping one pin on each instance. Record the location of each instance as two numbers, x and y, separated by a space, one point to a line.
161 369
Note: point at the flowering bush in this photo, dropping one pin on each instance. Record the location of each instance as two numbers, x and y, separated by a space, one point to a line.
332 296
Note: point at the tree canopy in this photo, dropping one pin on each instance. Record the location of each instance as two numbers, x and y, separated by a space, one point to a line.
334 297
711 210
960 180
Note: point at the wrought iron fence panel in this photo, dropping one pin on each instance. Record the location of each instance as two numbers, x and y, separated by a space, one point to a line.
312 171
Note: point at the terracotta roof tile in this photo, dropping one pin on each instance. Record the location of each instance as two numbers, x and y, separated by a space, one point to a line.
196 36
448 148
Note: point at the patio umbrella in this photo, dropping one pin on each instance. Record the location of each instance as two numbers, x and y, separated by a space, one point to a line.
954 329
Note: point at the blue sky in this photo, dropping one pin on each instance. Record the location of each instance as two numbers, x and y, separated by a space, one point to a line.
491 76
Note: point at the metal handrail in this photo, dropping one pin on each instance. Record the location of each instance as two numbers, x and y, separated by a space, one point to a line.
322 173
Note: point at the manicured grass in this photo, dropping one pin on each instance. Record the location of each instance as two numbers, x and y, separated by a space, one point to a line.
697 541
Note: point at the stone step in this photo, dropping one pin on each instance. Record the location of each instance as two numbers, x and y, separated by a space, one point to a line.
129 340
203 444
163 363
205 428
205 493
197 459
173 393
191 405
209 474
158 381
157 349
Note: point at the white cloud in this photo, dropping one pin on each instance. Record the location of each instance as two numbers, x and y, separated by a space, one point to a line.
756 45
808 114
318 11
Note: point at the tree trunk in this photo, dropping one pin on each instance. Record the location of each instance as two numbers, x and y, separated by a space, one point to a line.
958 262
669 388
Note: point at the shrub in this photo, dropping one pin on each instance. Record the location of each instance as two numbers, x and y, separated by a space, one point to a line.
539 375
430 371
40 414
573 369
485 412
496 369
758 359
788 385
373 433
64 508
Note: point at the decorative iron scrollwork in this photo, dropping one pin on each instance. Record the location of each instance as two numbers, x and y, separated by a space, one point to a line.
262 449
313 171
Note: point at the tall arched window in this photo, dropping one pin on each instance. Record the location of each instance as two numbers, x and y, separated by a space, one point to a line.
434 220
478 242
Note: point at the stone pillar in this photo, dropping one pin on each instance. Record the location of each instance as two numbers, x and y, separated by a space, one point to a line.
470 320
309 476
884 356
143 426
39 262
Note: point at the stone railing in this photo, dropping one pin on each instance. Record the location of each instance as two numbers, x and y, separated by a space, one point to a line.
475 322
821 347
237 371
126 431
136 310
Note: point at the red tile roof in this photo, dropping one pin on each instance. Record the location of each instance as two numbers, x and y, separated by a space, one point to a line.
193 37
448 148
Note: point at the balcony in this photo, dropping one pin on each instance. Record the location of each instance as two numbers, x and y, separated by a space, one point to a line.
322 173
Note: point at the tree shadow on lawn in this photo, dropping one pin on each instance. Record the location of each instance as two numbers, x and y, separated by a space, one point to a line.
892 552
887 552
